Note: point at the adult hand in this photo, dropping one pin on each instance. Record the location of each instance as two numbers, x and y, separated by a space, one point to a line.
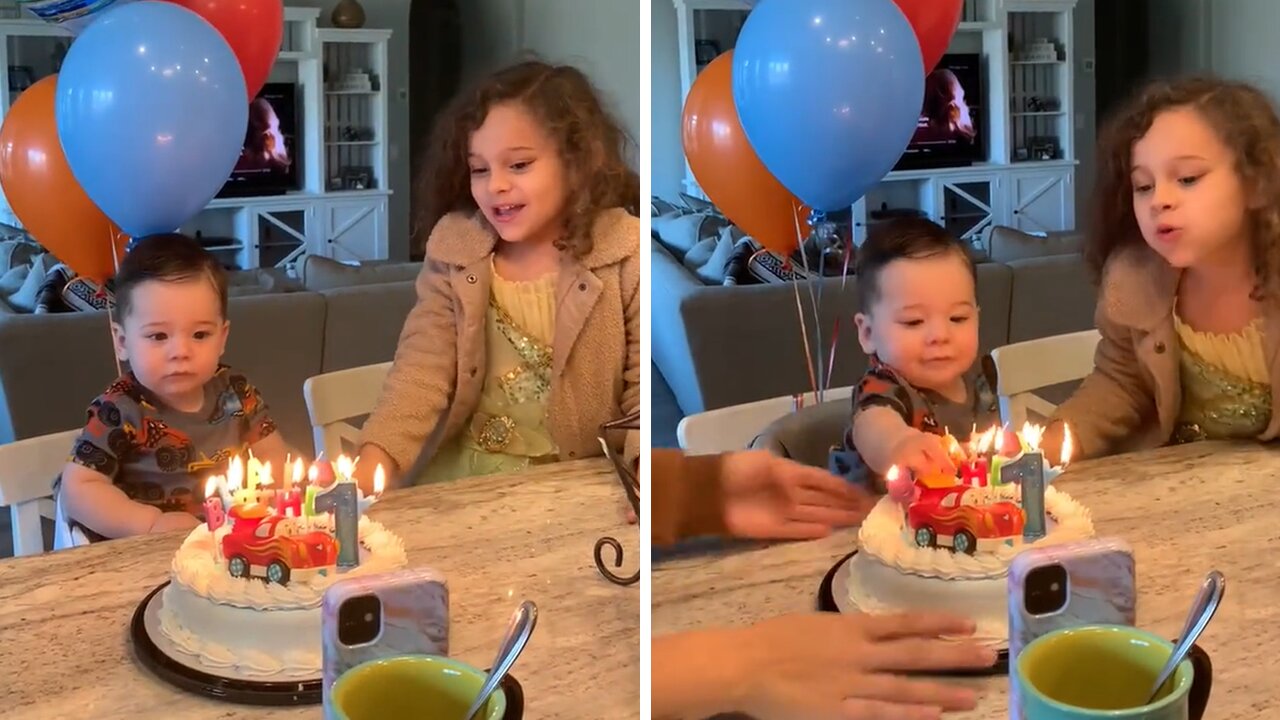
770 497
851 666
922 453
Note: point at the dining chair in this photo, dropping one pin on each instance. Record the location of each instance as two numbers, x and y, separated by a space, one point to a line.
1024 367
335 398
27 471
735 427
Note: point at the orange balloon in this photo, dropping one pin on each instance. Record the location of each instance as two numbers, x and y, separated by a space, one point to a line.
727 168
44 194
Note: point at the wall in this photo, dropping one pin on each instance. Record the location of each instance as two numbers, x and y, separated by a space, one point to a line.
666 101
601 36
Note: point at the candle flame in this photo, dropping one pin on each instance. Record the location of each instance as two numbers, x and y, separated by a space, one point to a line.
264 475
889 476
299 470
1032 434
210 486
345 467
313 473
986 440
235 473
380 479
999 442
1067 445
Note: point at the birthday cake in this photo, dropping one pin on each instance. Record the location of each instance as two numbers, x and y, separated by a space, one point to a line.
945 542
246 586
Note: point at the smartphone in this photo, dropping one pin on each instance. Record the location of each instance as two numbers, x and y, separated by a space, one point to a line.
1086 582
382 615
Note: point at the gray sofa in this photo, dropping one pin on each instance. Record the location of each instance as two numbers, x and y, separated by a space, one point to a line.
721 345
282 332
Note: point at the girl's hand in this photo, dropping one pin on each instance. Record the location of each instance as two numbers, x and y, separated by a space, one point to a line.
852 667
922 453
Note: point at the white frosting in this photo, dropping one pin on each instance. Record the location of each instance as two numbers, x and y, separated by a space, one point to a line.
876 588
881 536
258 628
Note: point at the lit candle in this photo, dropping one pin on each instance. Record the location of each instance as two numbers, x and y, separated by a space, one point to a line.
1028 471
998 459
1068 446
974 472
342 501
321 473
299 473
379 482
214 516
253 474
235 481
899 485
309 496
289 503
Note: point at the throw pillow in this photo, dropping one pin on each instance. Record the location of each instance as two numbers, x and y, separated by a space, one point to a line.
321 273
1005 244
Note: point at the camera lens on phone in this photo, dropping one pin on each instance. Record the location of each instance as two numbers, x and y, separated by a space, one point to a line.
1045 590
359 620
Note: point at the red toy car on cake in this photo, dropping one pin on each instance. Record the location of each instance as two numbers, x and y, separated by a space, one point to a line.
255 547
940 517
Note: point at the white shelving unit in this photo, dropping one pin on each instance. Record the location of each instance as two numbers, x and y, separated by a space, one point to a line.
1027 179
340 208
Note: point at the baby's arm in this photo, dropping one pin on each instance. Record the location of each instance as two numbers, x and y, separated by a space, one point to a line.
93 500
881 433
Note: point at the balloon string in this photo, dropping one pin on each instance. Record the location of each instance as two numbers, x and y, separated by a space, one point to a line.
831 356
814 300
115 261
804 333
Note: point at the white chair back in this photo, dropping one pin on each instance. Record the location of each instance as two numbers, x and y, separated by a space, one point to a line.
1024 367
334 398
27 471
735 427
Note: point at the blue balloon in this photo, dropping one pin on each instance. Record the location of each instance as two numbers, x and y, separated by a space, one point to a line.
828 93
151 113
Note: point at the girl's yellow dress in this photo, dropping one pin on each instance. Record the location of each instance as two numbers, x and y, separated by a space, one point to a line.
508 432
1226 389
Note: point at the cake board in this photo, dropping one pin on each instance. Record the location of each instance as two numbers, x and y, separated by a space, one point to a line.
833 596
185 672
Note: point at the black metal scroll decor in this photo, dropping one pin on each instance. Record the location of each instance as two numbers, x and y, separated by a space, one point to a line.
631 486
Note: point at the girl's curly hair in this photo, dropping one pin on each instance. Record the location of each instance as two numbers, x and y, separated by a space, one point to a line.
592 144
1245 121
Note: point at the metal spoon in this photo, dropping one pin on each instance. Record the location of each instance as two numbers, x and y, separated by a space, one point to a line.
1202 610
519 629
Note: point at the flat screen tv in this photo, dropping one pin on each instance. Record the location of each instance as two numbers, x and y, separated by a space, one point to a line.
950 131
268 163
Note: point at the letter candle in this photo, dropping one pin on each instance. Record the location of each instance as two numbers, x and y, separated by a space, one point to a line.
214 516
240 495
341 500
313 489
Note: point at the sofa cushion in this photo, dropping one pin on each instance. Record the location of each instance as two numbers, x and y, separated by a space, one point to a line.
1005 244
363 323
680 232
260 281
321 273
1050 296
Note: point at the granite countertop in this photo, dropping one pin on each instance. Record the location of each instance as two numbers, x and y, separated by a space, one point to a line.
1185 510
64 616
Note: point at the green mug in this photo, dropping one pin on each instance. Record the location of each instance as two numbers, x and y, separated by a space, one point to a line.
411 686
1106 671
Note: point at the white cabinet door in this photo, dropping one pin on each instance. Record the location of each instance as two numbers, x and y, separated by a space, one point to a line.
356 229
969 205
1042 200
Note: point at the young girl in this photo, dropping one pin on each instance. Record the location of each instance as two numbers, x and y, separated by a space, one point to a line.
526 334
1187 242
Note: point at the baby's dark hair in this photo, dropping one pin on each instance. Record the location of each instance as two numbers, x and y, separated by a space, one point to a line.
1245 121
907 238
167 257
590 141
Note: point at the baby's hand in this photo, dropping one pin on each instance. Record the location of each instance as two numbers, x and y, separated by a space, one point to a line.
170 521
922 453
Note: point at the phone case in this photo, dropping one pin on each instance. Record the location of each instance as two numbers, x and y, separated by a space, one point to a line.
1101 589
415 619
